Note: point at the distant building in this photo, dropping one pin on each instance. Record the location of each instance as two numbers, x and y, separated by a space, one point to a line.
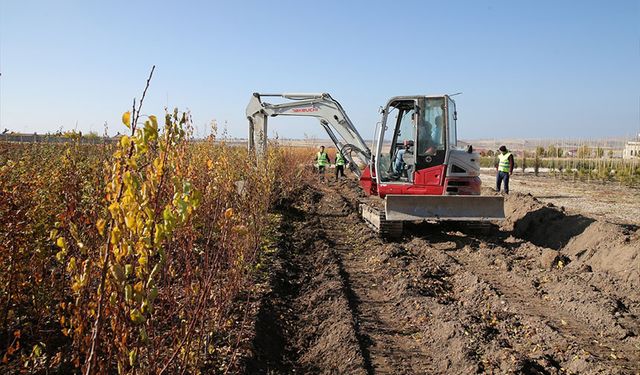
631 150
571 153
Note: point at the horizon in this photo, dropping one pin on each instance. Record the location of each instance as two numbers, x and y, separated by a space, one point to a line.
313 140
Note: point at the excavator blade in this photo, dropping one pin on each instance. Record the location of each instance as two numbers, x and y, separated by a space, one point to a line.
444 207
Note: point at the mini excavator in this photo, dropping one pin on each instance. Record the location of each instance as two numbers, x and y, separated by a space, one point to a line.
415 172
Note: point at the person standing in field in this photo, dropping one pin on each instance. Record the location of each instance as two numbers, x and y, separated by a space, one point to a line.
322 160
504 167
340 162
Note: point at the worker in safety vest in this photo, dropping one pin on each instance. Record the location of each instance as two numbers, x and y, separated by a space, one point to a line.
504 167
340 162
322 161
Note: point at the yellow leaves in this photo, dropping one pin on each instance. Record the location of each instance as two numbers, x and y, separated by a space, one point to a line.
126 119
133 354
125 142
60 255
114 209
128 270
168 217
143 260
150 131
117 272
115 236
149 197
76 286
136 316
130 221
154 120
138 287
241 230
71 267
158 235
128 293
61 243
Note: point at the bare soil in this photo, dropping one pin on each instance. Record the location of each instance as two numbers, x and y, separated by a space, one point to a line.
609 201
547 291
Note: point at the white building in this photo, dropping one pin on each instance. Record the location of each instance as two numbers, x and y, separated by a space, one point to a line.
631 150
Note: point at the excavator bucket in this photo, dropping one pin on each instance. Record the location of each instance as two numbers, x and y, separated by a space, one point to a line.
444 207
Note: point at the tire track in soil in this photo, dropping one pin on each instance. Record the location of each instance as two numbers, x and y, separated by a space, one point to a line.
387 344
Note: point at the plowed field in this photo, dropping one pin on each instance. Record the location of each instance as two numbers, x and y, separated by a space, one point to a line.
544 292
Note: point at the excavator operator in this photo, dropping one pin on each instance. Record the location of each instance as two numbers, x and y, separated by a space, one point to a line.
430 137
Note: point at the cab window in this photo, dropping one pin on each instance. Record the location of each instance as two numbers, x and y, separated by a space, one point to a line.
431 132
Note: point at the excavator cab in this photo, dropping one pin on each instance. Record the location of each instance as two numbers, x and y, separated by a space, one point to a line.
413 140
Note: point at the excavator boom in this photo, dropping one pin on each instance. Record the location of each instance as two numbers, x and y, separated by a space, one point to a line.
322 106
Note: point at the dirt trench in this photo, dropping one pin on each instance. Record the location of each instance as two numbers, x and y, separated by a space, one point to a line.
543 293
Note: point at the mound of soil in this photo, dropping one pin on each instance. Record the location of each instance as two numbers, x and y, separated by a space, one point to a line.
610 248
587 243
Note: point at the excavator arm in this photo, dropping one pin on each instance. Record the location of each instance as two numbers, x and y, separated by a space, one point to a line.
322 106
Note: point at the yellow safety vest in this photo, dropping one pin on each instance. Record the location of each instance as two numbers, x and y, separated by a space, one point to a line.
339 159
323 159
503 165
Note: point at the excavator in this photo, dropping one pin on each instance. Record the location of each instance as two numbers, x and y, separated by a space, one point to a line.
415 172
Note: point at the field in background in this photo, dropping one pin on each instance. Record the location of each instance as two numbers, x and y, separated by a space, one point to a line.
623 171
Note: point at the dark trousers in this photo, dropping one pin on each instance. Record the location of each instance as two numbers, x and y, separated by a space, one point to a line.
339 170
502 176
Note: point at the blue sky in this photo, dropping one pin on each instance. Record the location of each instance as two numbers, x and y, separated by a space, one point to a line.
527 69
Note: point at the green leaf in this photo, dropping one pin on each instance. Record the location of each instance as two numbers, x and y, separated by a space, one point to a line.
136 316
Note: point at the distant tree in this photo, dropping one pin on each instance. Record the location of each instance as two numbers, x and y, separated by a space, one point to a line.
490 153
554 151
599 152
540 151
610 153
584 151
72 134
92 135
